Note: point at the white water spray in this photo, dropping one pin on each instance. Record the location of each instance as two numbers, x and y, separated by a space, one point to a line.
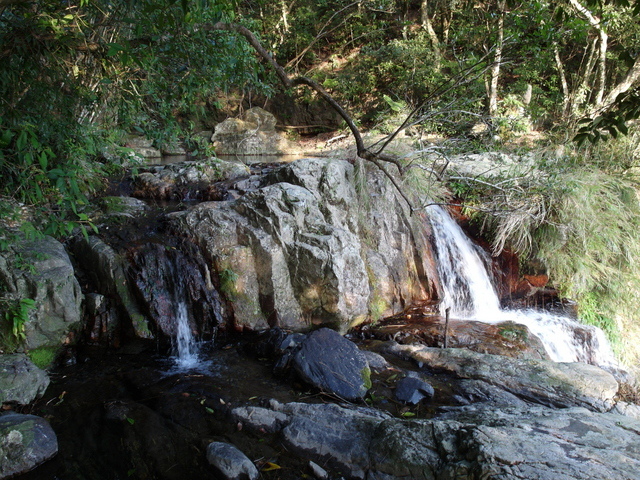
469 294
185 345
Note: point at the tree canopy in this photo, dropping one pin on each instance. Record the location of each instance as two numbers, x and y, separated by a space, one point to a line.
75 76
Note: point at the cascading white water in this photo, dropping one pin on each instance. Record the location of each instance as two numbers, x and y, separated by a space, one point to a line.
185 345
469 294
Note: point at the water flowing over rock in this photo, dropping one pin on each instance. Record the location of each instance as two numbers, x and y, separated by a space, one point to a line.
166 278
21 381
41 270
467 292
303 247
26 441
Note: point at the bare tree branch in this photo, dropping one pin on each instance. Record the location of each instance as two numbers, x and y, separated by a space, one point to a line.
374 157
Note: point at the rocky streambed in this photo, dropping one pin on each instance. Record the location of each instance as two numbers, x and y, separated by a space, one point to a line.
267 274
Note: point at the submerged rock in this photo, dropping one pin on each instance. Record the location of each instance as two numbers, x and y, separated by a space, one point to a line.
21 381
413 390
230 462
26 441
330 362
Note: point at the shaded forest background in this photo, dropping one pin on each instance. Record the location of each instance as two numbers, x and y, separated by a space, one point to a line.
77 76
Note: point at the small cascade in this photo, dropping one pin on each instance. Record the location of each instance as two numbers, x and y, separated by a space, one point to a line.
176 291
468 293
185 346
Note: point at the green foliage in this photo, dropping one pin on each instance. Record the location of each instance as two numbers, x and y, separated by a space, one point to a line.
228 279
43 357
16 314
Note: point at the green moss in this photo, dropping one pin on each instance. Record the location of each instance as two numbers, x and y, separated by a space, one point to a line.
43 357
365 374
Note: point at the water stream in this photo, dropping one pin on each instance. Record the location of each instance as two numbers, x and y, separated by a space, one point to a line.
185 345
468 293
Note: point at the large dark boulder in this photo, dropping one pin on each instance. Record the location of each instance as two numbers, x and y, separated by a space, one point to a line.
330 362
26 441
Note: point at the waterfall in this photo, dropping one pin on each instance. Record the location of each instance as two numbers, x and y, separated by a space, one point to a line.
468 292
185 345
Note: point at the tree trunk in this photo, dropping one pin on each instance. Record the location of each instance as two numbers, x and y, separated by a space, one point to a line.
630 79
566 98
602 51
433 37
497 60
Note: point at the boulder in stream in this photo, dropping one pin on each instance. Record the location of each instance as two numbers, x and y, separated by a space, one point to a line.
21 381
253 134
26 441
330 362
230 462
306 247
479 441
540 381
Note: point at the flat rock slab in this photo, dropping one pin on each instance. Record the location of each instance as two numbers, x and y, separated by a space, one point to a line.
478 441
333 364
540 381
21 381
26 441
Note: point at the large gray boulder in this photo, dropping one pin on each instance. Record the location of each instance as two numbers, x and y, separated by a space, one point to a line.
305 248
26 441
21 381
479 441
253 134
540 381
41 270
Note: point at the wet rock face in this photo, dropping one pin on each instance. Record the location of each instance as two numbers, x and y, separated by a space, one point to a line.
21 381
418 326
164 276
26 441
302 247
41 270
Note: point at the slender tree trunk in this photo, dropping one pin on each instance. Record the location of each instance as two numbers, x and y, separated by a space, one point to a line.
596 23
497 60
566 98
433 37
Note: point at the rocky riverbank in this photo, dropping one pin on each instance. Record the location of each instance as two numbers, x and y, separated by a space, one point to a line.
270 271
